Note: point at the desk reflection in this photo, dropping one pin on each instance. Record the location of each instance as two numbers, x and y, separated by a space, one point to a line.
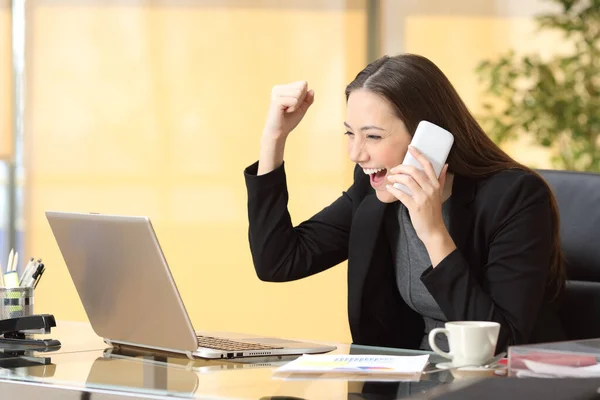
198 364
374 390
123 372
138 373
25 363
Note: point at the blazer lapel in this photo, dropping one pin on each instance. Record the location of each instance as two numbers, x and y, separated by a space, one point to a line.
366 228
461 217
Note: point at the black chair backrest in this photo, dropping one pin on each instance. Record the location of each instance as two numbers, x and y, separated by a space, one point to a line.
578 198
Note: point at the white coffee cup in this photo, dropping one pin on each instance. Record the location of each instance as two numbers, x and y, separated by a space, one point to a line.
470 342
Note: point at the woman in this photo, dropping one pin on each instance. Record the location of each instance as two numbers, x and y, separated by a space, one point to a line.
479 243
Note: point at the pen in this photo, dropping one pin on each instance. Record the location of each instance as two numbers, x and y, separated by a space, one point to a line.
37 280
10 260
11 279
31 280
29 270
15 260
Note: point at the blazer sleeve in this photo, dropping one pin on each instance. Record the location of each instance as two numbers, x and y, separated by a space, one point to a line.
282 252
514 278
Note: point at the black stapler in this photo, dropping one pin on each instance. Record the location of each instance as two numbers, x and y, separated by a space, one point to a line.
15 331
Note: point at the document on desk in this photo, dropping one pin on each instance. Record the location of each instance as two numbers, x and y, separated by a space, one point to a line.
355 364
559 371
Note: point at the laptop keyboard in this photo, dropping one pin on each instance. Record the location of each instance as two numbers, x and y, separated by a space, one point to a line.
231 345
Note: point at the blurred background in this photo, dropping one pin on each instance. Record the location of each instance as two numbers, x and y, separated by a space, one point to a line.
155 108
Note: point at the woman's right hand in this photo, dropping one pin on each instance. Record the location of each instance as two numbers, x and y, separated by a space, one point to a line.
289 104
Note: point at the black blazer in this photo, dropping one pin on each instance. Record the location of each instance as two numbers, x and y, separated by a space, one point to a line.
502 229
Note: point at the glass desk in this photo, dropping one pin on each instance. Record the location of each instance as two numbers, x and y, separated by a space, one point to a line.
111 373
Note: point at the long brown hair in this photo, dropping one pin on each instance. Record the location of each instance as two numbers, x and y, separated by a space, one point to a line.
419 90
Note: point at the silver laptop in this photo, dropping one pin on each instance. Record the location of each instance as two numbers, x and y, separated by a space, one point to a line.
128 292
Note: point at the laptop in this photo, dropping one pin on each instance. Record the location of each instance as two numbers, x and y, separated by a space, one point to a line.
129 295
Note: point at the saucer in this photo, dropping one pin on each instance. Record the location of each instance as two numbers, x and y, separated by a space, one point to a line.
448 365
470 371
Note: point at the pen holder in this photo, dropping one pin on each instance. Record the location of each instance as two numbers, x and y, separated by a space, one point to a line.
16 302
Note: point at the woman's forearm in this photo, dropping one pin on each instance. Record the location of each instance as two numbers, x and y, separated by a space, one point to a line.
271 154
439 247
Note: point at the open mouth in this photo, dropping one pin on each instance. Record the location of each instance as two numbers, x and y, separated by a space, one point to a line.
377 175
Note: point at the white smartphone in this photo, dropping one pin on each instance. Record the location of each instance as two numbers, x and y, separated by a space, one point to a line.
434 142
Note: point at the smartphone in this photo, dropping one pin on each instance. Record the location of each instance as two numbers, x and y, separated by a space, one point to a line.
434 142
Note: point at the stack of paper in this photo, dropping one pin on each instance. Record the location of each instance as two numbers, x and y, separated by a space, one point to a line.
560 371
355 364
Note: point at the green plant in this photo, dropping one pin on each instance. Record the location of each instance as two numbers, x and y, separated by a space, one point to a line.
555 100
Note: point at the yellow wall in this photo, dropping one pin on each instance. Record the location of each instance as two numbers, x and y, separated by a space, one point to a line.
155 109
6 88
458 43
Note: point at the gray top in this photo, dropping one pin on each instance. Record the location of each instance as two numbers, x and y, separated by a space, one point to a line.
410 260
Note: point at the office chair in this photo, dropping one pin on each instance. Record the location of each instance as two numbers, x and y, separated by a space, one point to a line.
578 197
